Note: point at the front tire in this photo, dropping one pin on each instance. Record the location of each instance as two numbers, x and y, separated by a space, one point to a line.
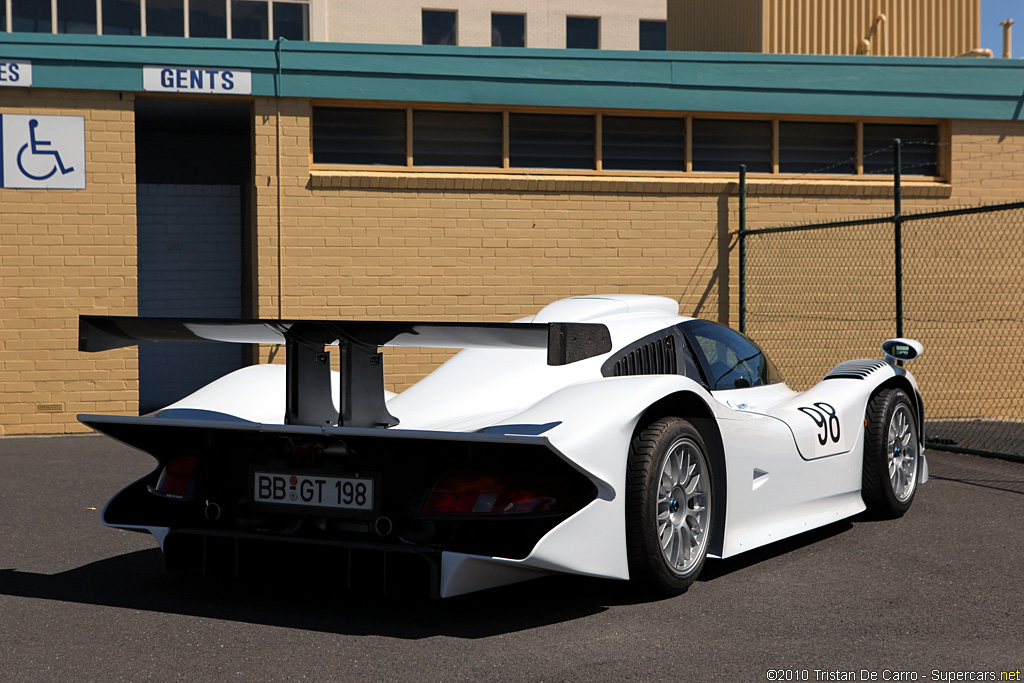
891 454
668 506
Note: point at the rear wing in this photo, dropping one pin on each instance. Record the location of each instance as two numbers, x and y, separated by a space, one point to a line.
308 383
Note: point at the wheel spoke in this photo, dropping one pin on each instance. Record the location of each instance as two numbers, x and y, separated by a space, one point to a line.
685 550
691 465
666 482
692 486
665 532
693 524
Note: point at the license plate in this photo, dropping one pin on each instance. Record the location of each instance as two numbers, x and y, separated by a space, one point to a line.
339 493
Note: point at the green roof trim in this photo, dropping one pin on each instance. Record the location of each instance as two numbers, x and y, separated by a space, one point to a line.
900 87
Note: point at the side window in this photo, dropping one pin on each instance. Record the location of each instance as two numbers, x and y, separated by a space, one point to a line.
729 360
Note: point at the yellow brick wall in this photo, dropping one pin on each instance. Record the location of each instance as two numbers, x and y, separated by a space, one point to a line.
370 244
65 252
446 248
363 244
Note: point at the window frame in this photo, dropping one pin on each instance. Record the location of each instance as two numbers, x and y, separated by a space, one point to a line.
509 14
438 10
640 33
5 9
568 17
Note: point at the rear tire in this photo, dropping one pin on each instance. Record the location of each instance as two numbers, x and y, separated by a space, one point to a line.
668 506
891 454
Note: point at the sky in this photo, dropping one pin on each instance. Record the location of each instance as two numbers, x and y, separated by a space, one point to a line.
993 12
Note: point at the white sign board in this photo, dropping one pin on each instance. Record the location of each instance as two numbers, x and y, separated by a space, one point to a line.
42 152
196 79
15 73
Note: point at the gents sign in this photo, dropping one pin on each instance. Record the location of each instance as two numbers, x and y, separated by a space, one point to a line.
196 79
15 73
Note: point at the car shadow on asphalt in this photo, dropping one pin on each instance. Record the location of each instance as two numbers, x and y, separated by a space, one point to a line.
137 581
714 569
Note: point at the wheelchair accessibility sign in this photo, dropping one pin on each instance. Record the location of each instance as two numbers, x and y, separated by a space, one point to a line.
42 152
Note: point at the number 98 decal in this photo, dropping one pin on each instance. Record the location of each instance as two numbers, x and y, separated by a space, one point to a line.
827 420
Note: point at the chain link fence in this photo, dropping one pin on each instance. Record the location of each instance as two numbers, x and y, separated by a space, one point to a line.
815 295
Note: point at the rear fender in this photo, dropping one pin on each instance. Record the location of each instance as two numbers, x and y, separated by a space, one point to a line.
697 410
596 423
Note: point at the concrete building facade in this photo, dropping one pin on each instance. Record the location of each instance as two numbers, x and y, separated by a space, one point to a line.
424 183
515 23
619 24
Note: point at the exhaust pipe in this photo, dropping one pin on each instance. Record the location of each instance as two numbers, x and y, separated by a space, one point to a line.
383 526
212 511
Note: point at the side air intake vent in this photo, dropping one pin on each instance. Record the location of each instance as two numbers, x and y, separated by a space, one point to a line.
656 357
855 369
664 352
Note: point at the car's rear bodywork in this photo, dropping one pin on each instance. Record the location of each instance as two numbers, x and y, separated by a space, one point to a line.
506 463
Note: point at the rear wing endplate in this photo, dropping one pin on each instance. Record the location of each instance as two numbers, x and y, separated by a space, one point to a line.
308 374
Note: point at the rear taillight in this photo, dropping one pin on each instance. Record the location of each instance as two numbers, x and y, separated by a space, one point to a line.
464 492
176 479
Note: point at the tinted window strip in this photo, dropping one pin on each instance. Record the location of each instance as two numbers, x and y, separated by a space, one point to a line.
359 136
551 141
457 139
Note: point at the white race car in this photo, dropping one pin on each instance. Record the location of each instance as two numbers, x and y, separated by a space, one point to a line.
606 436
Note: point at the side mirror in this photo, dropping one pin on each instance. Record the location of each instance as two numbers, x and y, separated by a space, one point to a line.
901 349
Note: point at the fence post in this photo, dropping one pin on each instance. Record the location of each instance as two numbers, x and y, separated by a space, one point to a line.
743 248
897 220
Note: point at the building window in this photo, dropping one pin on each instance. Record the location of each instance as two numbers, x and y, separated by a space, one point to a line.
257 19
653 35
918 148
636 143
450 138
31 16
250 19
440 27
207 19
359 136
722 145
291 20
817 147
508 30
122 17
75 16
583 33
603 143
551 141
165 18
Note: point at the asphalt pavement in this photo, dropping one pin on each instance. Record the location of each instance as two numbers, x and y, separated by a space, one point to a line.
938 592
